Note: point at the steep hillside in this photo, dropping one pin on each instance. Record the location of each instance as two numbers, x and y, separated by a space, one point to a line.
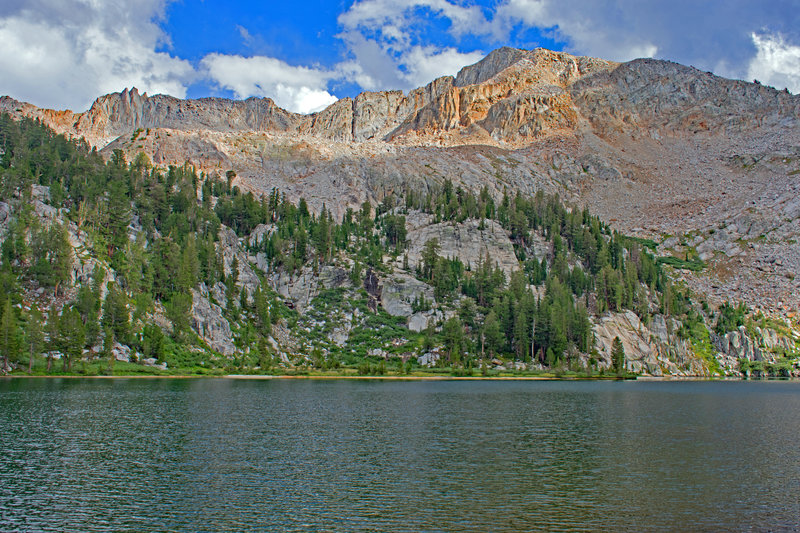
110 266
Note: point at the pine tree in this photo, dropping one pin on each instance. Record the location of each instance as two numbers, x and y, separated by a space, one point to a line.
262 311
51 329
119 216
492 334
34 335
88 303
52 254
62 252
429 256
71 336
521 335
9 341
618 356
115 313
178 309
108 346
189 271
453 332
264 357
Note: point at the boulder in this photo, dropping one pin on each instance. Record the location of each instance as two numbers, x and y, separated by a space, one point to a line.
121 352
399 292
151 361
428 359
418 322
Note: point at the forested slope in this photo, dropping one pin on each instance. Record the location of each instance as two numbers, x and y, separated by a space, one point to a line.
116 266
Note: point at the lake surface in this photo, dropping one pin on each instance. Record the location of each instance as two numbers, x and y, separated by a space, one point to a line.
345 455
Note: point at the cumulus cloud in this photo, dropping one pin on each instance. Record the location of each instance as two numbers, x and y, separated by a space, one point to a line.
710 35
299 89
392 18
375 68
608 29
64 53
384 39
777 63
425 63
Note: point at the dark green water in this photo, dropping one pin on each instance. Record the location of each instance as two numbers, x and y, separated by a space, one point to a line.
228 455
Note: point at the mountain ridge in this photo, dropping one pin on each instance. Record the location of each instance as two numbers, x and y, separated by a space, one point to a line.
111 115
444 104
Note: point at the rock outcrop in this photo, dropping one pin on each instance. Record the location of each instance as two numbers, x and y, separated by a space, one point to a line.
210 325
471 241
231 252
762 344
654 351
300 288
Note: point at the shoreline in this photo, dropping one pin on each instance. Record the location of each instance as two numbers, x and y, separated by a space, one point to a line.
262 377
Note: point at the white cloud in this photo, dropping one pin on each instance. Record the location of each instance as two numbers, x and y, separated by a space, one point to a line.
299 89
426 63
777 63
382 36
615 30
389 16
65 53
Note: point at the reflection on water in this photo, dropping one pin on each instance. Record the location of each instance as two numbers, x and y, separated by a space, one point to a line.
228 455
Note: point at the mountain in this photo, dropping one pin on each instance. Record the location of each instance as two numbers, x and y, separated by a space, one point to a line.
704 170
658 149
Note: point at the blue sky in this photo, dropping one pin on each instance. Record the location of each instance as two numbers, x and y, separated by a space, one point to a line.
305 55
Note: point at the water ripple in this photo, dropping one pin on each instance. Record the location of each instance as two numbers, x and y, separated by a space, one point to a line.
225 455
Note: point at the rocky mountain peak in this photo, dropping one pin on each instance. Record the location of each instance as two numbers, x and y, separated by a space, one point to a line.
497 60
559 68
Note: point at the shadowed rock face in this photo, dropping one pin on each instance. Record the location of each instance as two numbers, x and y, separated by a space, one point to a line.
707 165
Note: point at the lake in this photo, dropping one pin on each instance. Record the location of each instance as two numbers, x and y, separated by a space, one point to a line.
352 455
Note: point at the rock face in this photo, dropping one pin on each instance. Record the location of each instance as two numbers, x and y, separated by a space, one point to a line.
122 113
540 65
209 323
654 351
228 247
684 101
304 286
468 241
764 344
